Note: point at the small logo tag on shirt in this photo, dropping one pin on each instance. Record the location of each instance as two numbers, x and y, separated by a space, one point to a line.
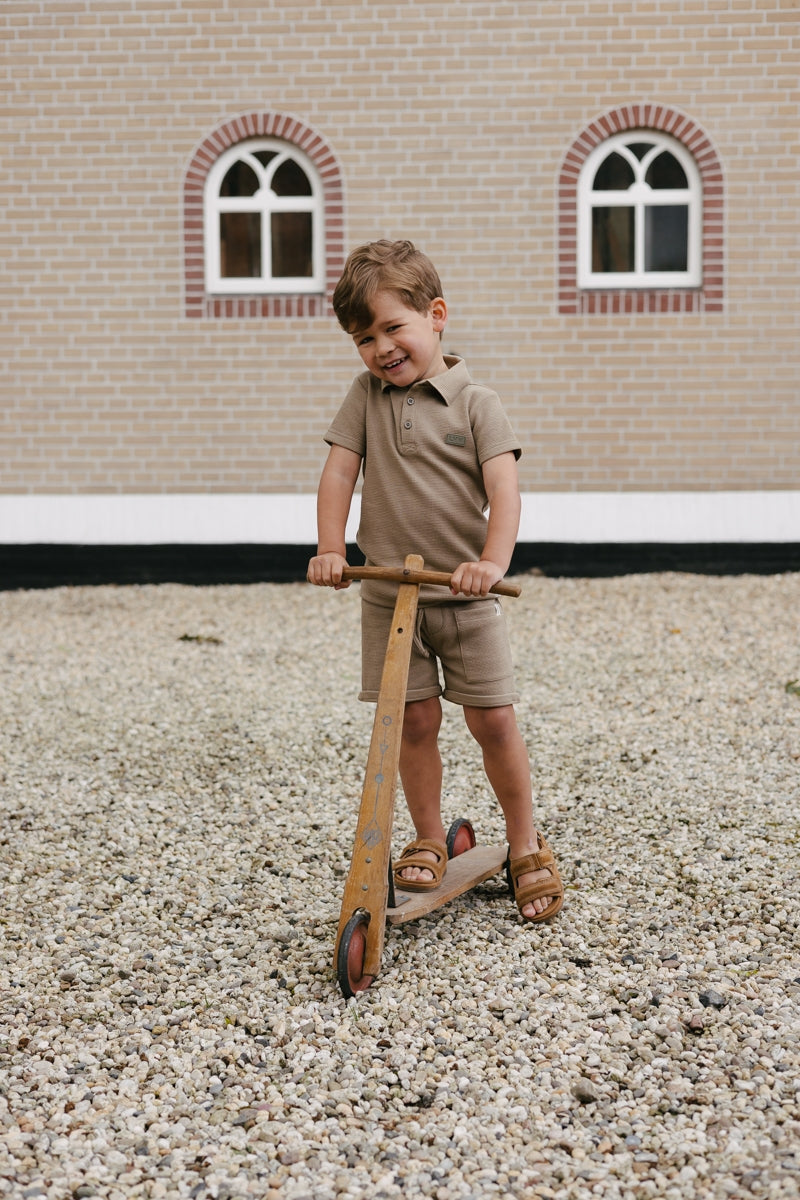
456 439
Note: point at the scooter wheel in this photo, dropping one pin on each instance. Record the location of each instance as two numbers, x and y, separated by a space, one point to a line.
350 956
460 837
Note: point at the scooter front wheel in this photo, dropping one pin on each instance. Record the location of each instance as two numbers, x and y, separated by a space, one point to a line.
350 956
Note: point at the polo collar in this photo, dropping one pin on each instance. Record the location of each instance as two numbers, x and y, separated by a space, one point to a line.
449 383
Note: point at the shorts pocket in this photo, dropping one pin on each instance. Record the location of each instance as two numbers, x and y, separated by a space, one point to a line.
483 641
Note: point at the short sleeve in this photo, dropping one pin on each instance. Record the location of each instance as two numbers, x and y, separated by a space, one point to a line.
349 426
491 427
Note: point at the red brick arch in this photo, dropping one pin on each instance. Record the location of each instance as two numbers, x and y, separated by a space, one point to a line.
709 296
198 303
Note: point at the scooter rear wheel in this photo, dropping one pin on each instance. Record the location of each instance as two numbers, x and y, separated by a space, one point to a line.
350 956
460 837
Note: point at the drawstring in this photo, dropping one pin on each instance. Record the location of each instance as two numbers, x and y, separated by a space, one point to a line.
418 642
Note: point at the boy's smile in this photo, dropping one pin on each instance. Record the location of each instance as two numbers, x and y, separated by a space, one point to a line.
402 346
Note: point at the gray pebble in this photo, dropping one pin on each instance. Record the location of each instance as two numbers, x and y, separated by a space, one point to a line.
180 771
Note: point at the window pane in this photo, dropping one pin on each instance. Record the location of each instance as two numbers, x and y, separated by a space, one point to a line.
666 172
291 245
666 237
615 174
290 180
612 239
265 157
639 148
240 245
240 180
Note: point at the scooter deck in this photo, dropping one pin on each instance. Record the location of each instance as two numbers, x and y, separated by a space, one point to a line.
463 872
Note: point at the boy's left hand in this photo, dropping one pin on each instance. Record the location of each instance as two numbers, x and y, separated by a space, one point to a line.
475 578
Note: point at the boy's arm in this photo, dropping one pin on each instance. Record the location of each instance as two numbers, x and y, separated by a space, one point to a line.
334 496
502 490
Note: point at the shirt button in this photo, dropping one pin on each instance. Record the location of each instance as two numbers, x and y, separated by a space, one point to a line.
410 400
407 424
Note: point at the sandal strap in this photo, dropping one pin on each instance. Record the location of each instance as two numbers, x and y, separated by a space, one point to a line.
412 857
542 860
535 891
413 849
552 886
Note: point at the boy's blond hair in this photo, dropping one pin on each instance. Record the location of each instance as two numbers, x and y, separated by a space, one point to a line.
383 266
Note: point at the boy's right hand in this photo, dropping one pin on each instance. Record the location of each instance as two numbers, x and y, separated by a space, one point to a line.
325 570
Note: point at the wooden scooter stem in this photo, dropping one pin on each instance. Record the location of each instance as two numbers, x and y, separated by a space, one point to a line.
367 885
405 575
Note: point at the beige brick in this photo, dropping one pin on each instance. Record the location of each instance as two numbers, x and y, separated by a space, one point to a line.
453 135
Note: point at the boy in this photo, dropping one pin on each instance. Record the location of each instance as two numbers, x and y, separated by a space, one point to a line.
437 450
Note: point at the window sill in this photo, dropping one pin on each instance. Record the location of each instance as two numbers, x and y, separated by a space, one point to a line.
640 300
249 306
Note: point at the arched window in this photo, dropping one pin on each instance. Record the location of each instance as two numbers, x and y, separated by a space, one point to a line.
639 214
263 221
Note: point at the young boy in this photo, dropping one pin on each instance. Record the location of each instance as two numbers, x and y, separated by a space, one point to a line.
437 450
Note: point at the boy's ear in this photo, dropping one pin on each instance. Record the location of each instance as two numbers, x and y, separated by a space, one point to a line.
438 311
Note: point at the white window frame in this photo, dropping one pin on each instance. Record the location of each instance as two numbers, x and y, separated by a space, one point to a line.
638 196
266 203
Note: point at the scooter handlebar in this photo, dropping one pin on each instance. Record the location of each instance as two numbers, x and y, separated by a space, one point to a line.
404 575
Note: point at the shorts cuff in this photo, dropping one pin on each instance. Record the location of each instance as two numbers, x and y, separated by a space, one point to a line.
463 698
411 695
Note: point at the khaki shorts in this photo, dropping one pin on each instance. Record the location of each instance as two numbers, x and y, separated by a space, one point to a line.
470 640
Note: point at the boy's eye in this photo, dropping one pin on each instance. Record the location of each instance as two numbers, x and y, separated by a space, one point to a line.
366 338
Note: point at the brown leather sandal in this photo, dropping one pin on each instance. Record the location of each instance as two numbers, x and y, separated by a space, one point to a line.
411 857
542 860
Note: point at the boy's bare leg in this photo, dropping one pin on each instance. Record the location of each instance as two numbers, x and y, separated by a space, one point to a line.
505 760
421 774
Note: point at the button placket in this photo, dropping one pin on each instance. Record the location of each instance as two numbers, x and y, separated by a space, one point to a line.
403 403
408 423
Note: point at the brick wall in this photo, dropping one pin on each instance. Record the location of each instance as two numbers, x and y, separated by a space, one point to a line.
449 123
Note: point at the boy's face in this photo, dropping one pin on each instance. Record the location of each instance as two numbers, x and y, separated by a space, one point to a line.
402 346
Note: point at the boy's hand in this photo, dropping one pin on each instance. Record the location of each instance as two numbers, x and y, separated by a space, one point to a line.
475 578
325 570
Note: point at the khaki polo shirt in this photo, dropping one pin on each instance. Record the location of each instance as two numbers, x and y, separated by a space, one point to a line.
422 448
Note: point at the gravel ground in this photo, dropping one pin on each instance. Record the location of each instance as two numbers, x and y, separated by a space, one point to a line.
180 772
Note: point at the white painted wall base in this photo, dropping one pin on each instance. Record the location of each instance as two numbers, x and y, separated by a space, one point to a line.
676 517
287 519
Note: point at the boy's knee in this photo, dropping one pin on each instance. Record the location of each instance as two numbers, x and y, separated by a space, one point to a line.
491 724
422 719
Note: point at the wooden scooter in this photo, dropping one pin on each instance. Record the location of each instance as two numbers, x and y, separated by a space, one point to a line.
370 898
